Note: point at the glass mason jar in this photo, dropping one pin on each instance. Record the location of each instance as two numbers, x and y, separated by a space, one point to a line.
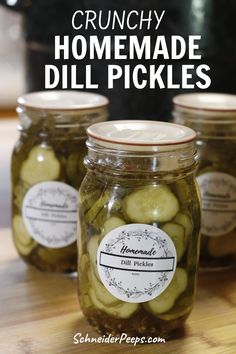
47 169
139 227
213 117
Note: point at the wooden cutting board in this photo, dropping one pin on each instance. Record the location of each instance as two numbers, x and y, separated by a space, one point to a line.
40 314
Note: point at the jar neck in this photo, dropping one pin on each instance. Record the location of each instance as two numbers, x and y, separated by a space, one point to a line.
208 126
174 163
59 124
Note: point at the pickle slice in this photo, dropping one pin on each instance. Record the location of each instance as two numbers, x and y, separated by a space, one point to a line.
24 250
151 204
175 315
41 165
92 248
102 294
166 300
183 191
221 246
177 235
112 223
24 242
120 310
20 231
19 193
184 220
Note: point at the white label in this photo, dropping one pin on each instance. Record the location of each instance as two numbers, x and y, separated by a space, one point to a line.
50 214
218 192
136 262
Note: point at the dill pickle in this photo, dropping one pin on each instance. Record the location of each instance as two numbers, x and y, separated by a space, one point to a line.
44 163
177 234
185 220
112 223
97 207
47 170
213 117
151 204
103 211
22 239
217 181
139 217
119 310
41 165
102 294
164 302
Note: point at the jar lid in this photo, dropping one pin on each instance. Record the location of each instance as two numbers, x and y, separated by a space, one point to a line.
62 100
140 134
206 102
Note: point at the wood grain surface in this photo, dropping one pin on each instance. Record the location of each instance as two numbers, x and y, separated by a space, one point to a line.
40 314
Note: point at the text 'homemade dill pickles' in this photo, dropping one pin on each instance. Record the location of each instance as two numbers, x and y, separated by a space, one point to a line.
139 227
213 117
47 170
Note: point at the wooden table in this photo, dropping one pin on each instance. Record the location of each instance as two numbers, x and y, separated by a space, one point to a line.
39 313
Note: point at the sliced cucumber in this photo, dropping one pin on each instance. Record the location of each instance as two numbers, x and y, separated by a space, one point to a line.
102 294
162 303
120 310
166 300
20 231
24 242
183 191
175 315
112 223
177 235
222 246
41 165
184 220
151 204
19 192
24 250
181 281
92 248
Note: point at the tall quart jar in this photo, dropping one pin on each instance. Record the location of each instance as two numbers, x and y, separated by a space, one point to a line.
139 228
213 117
47 169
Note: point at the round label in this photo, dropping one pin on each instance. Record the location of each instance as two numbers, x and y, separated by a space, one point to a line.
50 214
136 262
218 192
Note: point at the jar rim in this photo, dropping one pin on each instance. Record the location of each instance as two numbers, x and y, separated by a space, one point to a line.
62 100
140 135
206 103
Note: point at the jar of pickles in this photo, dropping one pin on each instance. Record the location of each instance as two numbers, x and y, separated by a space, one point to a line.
139 227
213 117
47 169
